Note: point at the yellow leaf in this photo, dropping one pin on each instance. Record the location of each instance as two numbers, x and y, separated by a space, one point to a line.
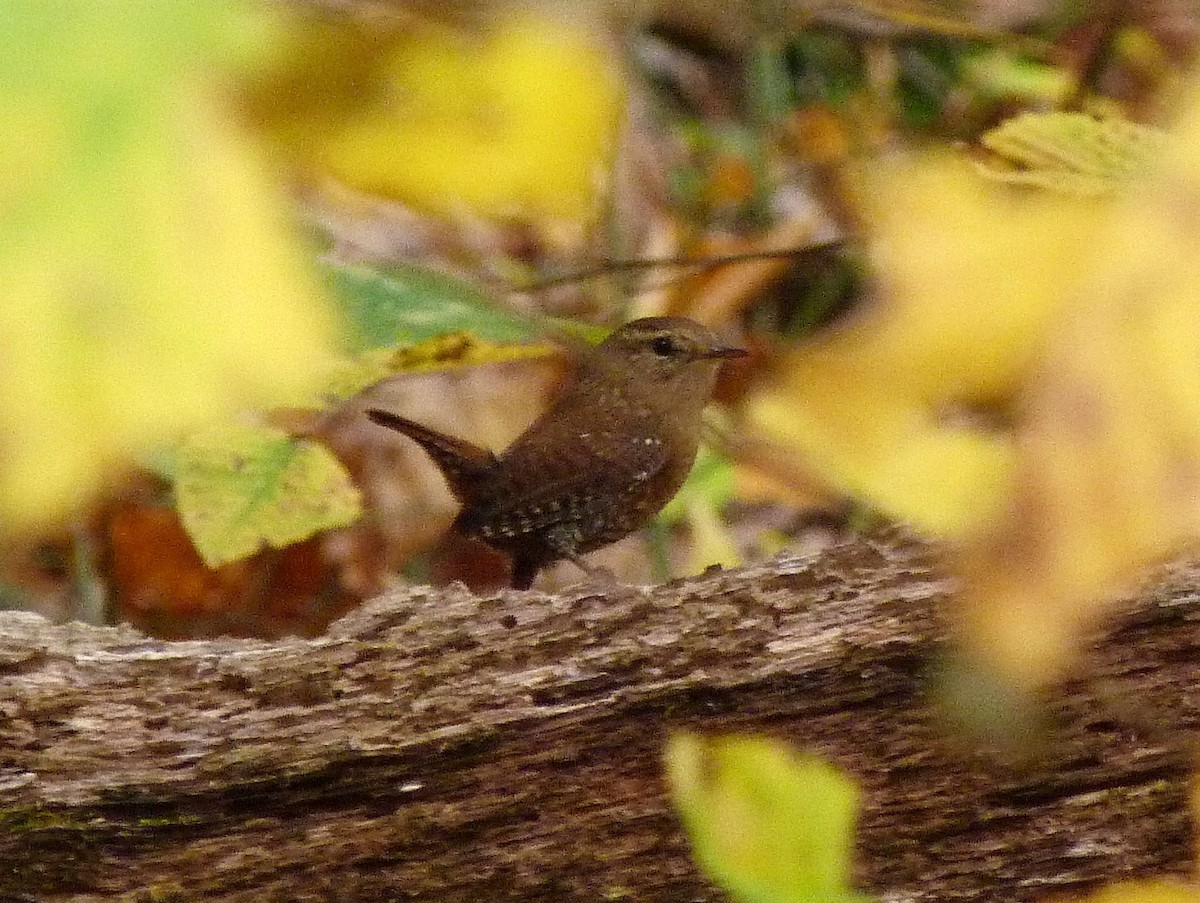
711 541
151 278
968 282
1109 470
241 487
521 123
1071 152
1145 892
457 349
1081 318
767 823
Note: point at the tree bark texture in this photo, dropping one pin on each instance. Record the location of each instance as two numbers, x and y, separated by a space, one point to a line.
437 746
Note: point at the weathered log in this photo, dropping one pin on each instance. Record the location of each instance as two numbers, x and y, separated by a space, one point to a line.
443 747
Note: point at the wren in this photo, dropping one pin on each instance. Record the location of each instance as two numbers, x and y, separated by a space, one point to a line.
600 462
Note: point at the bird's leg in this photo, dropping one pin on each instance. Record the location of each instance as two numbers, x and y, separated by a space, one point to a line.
597 577
525 569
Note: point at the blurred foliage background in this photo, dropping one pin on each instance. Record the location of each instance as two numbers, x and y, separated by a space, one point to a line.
962 271
965 244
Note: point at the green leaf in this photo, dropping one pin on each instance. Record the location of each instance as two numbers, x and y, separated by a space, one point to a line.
411 304
1003 76
769 825
710 482
700 503
1072 153
769 82
928 71
410 319
828 66
240 487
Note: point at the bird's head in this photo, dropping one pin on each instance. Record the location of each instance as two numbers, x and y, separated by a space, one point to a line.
669 350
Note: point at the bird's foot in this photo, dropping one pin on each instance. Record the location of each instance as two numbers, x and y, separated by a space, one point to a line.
598 581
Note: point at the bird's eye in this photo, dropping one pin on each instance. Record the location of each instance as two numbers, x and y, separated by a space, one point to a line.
664 346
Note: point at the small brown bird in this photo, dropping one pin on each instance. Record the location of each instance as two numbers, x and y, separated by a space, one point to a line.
606 456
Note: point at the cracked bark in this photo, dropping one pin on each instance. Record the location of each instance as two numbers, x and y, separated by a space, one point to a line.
439 746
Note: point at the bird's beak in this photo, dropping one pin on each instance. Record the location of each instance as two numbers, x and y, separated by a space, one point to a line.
724 351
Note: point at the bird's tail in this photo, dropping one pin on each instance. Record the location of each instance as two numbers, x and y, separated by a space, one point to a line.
463 464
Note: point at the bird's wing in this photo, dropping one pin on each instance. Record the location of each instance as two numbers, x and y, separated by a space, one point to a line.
562 487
